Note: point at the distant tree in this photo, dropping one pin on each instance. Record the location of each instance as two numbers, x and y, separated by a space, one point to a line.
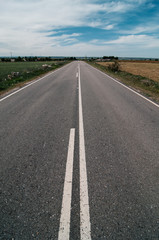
7 59
110 57
18 59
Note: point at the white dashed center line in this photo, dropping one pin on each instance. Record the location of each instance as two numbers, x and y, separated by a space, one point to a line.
64 230
85 226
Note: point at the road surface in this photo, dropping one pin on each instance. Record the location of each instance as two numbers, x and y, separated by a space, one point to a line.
79 159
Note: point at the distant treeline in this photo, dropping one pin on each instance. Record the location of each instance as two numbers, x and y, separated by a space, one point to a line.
35 59
104 58
110 57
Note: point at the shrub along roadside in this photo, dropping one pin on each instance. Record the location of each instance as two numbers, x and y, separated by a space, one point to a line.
14 78
147 87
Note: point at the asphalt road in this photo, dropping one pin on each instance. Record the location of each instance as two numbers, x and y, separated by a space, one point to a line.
79 159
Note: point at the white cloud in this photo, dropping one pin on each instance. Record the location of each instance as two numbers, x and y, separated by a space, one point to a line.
128 39
47 14
116 7
140 40
122 6
142 29
94 41
109 27
25 25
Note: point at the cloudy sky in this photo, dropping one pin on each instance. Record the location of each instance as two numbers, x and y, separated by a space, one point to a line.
124 28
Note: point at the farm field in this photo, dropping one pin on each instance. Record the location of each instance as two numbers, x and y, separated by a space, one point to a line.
145 69
12 73
7 67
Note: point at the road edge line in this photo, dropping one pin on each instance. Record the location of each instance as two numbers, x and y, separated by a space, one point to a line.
33 82
117 81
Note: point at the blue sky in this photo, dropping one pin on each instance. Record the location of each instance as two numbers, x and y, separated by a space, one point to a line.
124 28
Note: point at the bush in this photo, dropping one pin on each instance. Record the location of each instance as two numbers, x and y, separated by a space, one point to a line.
115 67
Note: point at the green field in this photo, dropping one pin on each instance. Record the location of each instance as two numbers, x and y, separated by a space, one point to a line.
12 73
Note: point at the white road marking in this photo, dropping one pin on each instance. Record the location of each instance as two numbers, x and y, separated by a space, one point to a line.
127 87
85 226
64 229
77 75
28 85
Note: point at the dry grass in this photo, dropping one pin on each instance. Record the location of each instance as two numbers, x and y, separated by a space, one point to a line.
148 70
105 64
145 69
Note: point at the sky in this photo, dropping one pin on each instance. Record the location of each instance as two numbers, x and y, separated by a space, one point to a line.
123 28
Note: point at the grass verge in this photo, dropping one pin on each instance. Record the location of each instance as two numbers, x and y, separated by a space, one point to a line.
145 86
15 74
